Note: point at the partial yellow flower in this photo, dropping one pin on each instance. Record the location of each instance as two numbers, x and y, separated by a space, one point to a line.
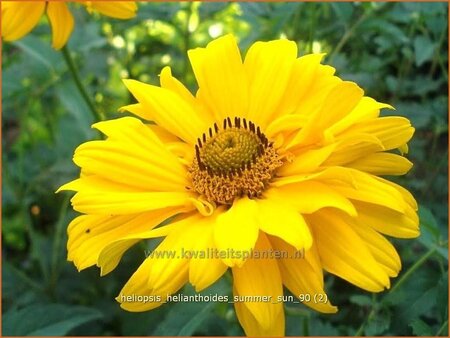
20 17
272 154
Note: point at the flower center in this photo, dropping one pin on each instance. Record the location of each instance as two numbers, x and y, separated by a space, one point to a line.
233 161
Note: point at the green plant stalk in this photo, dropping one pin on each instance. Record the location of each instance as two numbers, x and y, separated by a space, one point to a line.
296 28
347 35
76 78
442 328
432 176
312 25
187 39
405 67
371 314
437 59
34 244
57 240
305 326
413 268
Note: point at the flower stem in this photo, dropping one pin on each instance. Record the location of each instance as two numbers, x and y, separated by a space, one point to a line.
76 77
369 317
58 237
413 268
442 328
348 33
187 39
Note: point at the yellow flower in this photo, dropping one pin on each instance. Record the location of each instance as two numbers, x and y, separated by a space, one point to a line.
272 154
20 17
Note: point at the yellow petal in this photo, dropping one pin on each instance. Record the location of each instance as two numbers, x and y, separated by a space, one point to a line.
137 109
260 277
205 267
115 9
251 326
344 254
353 147
236 230
123 203
392 131
168 110
366 110
403 149
278 219
310 196
323 82
123 163
380 248
269 67
221 78
61 21
164 271
307 162
303 75
137 296
407 196
132 155
368 188
167 81
301 277
172 255
129 172
329 173
163 134
111 254
388 221
382 164
88 235
332 110
285 124
20 17
171 141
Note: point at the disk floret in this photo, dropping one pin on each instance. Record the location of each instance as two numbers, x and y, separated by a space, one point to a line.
233 161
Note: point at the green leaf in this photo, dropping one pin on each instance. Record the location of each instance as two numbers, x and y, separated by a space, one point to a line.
41 251
15 281
424 49
74 104
423 304
46 319
428 221
442 301
420 328
430 233
344 11
39 51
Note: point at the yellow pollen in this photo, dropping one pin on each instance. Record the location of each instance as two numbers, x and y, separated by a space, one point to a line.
234 161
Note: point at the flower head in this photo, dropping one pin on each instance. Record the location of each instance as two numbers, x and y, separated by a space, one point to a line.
272 154
20 17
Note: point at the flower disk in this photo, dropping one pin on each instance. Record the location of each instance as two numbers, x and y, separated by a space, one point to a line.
233 162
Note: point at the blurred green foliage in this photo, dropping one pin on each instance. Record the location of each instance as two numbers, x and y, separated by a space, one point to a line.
396 51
